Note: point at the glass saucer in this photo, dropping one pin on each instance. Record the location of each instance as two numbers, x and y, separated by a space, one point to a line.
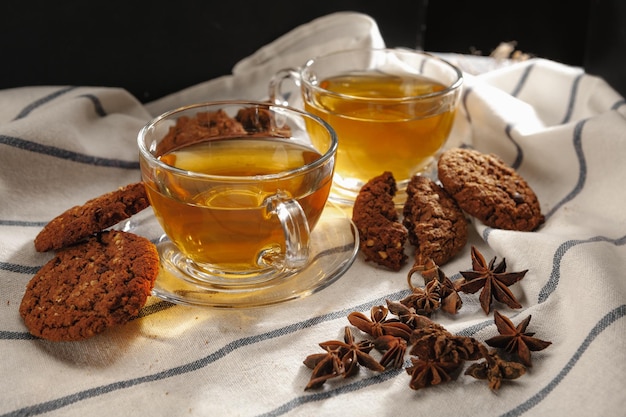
334 247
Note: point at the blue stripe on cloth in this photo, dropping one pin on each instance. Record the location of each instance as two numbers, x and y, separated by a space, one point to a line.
572 99
582 170
146 311
344 389
555 275
292 328
7 335
61 402
98 108
619 104
582 176
522 81
604 322
610 318
20 269
38 103
154 308
475 328
65 154
520 152
486 234
466 92
21 223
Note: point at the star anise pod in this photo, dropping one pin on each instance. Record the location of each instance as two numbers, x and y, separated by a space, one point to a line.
493 279
438 293
427 372
494 369
515 339
433 364
378 324
409 316
340 359
325 366
353 354
445 345
449 297
394 349
434 330
467 348
450 300
428 269
425 300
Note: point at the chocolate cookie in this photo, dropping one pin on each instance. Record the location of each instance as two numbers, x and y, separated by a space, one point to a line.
436 224
382 236
90 287
486 188
259 120
188 130
80 222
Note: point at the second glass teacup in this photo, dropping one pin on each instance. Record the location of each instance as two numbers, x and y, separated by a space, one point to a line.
237 188
392 109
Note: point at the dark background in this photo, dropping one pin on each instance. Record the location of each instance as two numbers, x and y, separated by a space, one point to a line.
156 47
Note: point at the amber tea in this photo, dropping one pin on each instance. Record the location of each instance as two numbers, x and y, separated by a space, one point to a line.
228 224
392 110
377 135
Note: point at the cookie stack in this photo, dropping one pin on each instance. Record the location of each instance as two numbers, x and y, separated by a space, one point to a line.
434 216
98 278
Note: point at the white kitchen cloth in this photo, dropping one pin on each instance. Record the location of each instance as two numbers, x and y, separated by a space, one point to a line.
563 130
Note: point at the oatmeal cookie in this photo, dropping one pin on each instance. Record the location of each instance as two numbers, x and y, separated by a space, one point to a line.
90 287
188 130
486 188
80 222
436 224
382 236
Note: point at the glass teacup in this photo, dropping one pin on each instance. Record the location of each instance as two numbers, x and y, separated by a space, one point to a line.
237 187
392 109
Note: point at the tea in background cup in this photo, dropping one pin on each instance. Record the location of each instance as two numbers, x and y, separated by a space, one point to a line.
392 110
237 187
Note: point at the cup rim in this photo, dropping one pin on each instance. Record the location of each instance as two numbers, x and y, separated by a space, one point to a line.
146 154
449 88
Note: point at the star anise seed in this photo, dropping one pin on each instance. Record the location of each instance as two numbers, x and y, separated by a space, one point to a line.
353 354
427 372
438 293
515 339
435 363
325 366
493 279
425 301
451 302
466 347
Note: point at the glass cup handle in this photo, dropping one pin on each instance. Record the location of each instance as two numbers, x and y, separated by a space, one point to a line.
295 227
276 93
